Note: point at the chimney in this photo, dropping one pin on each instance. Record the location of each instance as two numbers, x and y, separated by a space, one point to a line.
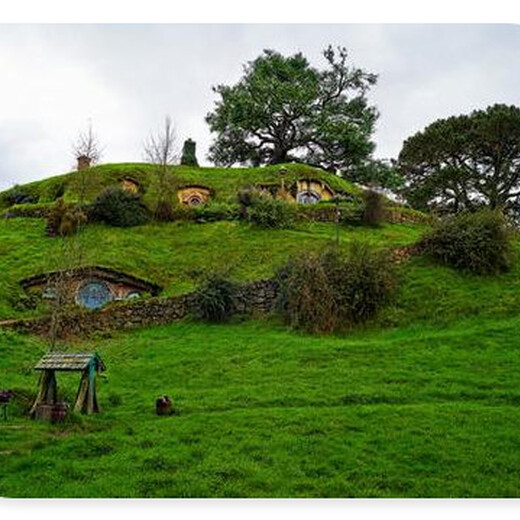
189 157
83 162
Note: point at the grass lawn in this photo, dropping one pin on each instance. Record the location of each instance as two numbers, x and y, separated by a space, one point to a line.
431 412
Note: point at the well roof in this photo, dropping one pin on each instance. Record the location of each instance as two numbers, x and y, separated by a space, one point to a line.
69 361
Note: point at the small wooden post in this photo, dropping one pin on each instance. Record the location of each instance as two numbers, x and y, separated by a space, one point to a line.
82 393
92 406
48 391
86 398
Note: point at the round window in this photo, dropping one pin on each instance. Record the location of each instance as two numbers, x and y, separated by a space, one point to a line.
308 197
94 294
194 200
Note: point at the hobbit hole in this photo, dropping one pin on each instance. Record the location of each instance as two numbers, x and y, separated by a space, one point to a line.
93 294
193 195
130 185
308 197
91 288
312 191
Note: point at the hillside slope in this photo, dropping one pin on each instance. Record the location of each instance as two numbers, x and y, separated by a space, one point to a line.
225 182
178 255
174 255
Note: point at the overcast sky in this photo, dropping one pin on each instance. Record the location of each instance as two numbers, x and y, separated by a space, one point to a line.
126 78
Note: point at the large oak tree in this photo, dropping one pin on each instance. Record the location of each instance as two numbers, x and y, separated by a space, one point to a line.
283 110
466 161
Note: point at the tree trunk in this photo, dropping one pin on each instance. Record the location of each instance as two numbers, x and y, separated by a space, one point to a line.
279 155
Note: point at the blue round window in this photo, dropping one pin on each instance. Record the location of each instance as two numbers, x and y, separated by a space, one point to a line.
94 294
308 197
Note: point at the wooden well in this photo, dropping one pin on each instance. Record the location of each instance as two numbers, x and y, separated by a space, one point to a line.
89 364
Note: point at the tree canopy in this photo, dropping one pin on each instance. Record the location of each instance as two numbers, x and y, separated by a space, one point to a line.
465 161
284 110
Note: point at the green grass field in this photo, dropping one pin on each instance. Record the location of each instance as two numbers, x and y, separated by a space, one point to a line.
421 402
415 412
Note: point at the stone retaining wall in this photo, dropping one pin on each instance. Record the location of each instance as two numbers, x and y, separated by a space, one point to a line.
257 297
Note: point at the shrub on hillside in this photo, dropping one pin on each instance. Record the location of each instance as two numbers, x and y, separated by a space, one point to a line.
350 213
478 242
270 213
215 211
215 299
117 207
373 208
363 281
64 219
333 291
247 196
306 298
164 211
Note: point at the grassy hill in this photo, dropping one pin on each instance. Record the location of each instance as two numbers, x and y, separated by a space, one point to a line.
225 182
422 401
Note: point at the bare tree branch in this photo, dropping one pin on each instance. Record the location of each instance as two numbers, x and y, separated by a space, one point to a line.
87 145
162 148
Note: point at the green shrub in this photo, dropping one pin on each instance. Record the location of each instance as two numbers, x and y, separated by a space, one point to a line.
215 211
350 213
363 281
333 291
306 298
211 212
64 219
270 213
215 299
164 211
373 208
478 242
184 212
119 208
247 196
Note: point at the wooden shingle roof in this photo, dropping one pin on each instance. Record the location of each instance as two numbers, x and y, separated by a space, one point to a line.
69 361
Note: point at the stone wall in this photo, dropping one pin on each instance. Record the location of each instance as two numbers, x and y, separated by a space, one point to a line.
253 298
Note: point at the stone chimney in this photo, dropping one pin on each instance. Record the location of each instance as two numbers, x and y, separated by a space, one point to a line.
83 162
189 157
